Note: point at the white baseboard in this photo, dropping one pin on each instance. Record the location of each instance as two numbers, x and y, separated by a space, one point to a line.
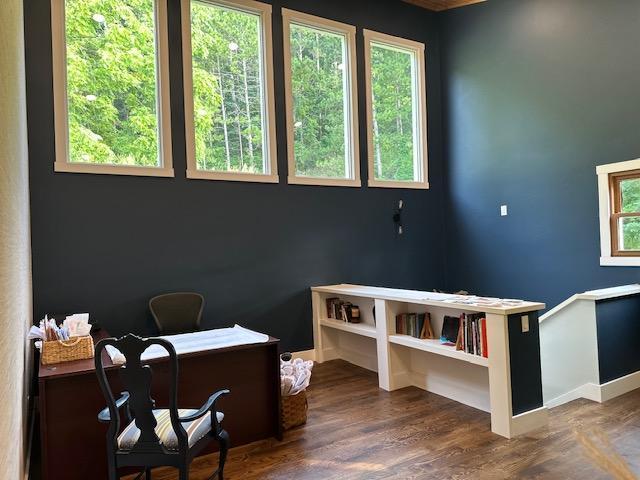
599 393
527 421
305 354
400 380
590 391
619 386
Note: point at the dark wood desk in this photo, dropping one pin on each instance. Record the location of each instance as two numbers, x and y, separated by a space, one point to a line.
70 399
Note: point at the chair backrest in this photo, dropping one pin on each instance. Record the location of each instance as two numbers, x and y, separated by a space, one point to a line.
177 312
136 379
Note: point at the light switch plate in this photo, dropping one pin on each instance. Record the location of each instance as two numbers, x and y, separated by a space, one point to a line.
525 323
504 211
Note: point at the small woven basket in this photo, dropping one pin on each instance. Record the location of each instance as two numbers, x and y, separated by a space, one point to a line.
58 351
294 410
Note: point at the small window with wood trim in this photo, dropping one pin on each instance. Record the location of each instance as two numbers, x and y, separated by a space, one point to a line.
625 213
619 211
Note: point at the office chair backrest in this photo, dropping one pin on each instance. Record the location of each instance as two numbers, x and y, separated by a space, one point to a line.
136 379
177 312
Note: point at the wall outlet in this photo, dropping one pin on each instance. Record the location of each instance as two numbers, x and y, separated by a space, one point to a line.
525 323
503 211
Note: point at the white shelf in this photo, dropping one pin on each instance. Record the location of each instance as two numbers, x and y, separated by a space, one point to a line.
434 346
468 379
356 328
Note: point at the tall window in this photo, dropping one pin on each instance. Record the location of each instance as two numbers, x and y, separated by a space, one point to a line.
229 90
322 125
625 215
111 87
396 111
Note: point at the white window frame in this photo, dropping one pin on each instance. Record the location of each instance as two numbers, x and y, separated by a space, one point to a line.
61 113
420 145
604 203
351 138
268 101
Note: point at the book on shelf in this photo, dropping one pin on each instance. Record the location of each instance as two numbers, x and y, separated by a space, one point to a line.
472 334
450 330
417 325
344 311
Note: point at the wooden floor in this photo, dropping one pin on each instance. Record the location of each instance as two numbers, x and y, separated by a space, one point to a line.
357 431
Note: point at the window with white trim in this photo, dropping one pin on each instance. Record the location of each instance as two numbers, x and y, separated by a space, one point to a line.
619 204
111 87
396 111
321 97
228 82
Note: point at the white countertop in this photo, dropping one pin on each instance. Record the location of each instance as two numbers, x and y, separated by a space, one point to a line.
447 300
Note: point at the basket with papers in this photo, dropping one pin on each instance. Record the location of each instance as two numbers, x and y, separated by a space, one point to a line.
70 341
295 375
76 348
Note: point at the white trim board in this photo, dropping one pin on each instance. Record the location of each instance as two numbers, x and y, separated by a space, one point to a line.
604 213
599 393
350 99
600 294
267 107
416 51
527 421
590 391
619 386
305 354
62 161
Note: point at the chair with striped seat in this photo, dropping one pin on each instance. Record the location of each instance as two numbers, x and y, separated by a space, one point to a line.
152 436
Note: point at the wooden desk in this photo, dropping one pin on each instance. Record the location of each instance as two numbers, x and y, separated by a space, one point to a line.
70 399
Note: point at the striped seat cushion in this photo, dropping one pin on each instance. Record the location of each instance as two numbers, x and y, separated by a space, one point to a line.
195 430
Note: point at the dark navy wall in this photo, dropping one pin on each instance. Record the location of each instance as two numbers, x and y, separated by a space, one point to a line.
536 94
105 244
524 363
618 325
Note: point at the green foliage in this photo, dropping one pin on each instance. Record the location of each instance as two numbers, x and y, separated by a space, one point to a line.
391 79
317 76
111 83
111 86
227 89
630 226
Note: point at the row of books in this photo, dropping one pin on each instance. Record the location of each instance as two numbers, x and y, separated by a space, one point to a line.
472 336
340 310
417 325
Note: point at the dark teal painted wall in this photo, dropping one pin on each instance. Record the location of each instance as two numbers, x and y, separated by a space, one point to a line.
618 325
536 94
105 244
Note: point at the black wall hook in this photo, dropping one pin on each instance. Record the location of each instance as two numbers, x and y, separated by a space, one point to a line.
397 217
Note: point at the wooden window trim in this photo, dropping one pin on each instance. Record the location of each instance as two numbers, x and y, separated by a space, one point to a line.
421 163
264 11
615 179
61 107
349 32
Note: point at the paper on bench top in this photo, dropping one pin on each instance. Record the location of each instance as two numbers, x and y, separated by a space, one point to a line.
196 342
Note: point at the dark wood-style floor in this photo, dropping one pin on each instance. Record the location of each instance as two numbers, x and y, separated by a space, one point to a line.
357 431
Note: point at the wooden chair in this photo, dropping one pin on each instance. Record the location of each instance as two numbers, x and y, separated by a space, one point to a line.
154 437
177 312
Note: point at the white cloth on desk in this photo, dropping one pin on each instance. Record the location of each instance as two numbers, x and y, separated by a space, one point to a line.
196 342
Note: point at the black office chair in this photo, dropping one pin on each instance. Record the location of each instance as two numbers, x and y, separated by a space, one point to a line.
177 312
154 437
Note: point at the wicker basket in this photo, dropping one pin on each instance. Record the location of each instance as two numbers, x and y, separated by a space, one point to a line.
294 410
58 351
